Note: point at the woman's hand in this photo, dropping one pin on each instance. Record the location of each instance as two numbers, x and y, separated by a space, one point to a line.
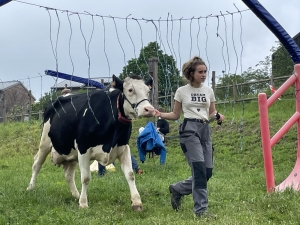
157 113
222 117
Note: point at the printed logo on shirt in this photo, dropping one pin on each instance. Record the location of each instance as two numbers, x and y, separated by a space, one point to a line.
196 97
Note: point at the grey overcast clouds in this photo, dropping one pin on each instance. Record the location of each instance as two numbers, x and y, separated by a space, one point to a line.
33 39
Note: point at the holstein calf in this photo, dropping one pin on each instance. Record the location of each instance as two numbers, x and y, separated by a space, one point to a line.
97 126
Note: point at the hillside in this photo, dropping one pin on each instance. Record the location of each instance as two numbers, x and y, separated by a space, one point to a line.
237 190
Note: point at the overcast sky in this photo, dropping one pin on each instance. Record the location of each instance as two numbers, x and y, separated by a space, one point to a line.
33 39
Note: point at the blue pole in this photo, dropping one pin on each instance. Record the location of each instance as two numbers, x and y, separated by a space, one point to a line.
3 2
74 78
276 28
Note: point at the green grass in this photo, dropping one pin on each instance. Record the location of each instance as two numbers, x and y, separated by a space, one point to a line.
237 190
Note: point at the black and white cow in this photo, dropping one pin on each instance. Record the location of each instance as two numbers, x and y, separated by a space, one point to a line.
80 128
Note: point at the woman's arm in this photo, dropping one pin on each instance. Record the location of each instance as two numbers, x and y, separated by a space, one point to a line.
212 109
175 115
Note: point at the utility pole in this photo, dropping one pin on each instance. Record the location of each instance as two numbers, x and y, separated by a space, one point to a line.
29 106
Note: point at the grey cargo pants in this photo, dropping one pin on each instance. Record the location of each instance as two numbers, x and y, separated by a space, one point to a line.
197 149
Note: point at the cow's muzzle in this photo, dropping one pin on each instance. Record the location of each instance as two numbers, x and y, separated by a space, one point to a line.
149 111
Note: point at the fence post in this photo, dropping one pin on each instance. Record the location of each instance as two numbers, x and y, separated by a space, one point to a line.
40 114
272 80
153 70
234 92
213 80
172 101
22 119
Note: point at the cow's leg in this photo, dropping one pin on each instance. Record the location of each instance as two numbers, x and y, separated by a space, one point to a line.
84 165
126 166
40 157
69 169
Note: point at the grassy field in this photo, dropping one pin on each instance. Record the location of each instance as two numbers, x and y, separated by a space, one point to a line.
237 190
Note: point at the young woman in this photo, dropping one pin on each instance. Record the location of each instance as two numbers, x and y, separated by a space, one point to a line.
197 101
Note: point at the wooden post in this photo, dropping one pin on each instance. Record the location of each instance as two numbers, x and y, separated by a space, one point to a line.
22 117
213 80
172 101
153 70
234 92
40 114
272 80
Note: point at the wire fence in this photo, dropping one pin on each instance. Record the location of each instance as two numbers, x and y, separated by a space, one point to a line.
224 94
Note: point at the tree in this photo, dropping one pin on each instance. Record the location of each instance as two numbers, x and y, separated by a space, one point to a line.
44 100
262 71
168 75
282 64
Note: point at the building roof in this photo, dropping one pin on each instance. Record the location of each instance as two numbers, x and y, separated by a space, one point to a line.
7 84
73 84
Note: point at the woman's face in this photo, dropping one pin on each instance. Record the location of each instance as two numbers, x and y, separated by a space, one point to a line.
200 74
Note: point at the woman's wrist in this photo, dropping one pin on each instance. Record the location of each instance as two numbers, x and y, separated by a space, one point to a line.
213 114
158 114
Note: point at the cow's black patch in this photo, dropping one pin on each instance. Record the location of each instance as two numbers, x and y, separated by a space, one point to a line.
90 120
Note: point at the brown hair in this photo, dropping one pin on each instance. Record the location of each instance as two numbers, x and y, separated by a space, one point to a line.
189 67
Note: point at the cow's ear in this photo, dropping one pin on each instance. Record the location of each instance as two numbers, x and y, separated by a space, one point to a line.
117 83
149 82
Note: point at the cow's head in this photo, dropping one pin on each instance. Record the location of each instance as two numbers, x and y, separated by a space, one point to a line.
136 94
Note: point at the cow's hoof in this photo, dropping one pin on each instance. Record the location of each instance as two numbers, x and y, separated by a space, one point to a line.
138 208
29 188
83 206
76 195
